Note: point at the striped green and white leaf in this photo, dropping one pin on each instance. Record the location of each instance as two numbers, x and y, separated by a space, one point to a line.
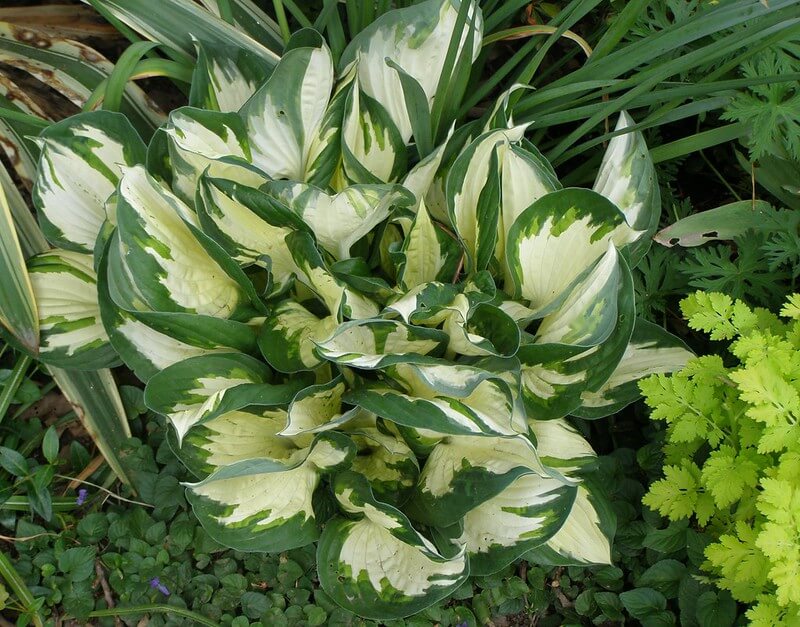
384 459
250 225
318 408
585 537
247 433
373 343
82 160
72 332
416 39
420 178
494 171
18 307
464 471
192 390
225 78
375 563
555 241
164 263
197 139
285 115
428 253
523 516
289 334
555 375
373 150
480 329
651 351
339 221
627 177
442 398
560 446
264 504
313 272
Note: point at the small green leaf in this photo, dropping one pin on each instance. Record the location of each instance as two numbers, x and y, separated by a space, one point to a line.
716 609
13 462
77 563
643 602
50 444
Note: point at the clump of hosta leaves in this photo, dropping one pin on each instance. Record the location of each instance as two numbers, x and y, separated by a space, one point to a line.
733 451
365 325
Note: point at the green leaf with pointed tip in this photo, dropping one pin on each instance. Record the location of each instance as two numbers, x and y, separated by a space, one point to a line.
429 253
481 329
18 306
377 564
287 337
555 375
267 505
224 78
651 350
442 398
72 332
285 115
627 177
246 433
416 39
373 343
340 220
197 139
462 472
162 261
585 537
82 160
523 516
566 231
192 390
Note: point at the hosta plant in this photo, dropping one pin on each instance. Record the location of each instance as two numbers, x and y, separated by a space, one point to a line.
365 323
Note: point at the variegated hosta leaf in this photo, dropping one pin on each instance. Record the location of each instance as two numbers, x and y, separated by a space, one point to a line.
416 39
193 390
247 433
443 399
559 445
372 147
464 471
372 344
289 334
481 329
588 314
627 177
555 240
72 335
82 159
420 178
429 254
314 273
318 408
339 221
651 351
555 375
285 115
585 537
489 185
384 459
267 505
225 78
197 139
164 264
523 516
377 564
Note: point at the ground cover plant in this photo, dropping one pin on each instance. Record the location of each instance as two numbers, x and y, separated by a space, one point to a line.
344 272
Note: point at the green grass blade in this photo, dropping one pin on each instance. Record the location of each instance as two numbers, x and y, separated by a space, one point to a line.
123 70
280 14
698 141
17 585
137 610
18 312
12 384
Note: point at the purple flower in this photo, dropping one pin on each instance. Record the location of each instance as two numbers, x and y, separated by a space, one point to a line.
156 584
82 494
463 624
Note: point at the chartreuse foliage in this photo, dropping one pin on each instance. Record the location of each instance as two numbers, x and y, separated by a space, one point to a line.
733 451
365 326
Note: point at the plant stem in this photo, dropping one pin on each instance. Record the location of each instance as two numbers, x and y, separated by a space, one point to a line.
280 14
143 609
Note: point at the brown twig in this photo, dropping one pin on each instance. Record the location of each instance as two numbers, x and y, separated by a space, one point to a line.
85 473
101 578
